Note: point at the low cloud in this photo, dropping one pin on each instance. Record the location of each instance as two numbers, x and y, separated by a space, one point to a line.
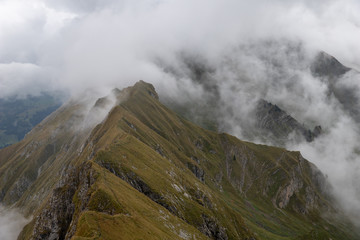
226 53
11 223
115 43
22 79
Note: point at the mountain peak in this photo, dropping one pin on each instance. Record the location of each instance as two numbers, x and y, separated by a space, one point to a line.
146 173
145 87
325 65
272 119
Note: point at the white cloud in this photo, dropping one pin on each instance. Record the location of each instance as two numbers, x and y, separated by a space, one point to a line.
21 79
11 223
250 47
97 43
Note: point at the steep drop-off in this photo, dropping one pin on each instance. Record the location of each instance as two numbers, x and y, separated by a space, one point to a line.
146 173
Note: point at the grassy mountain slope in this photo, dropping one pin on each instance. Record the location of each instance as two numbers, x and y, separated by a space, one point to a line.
146 173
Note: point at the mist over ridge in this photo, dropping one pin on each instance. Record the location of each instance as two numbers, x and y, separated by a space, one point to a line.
214 58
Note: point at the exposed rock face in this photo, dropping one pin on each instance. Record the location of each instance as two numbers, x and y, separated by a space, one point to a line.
19 187
236 157
54 142
278 182
272 119
211 228
57 219
197 171
135 176
288 191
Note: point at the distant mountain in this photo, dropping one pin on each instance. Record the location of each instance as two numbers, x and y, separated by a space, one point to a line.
146 173
19 116
277 125
332 72
325 65
266 121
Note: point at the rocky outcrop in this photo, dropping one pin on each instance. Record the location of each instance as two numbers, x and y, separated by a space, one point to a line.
241 166
283 182
288 191
197 171
144 178
272 119
201 198
211 228
57 219
13 191
304 193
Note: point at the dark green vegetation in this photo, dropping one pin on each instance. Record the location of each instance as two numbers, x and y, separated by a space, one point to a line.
19 116
146 173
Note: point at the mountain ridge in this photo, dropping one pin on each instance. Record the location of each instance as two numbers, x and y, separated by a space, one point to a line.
193 183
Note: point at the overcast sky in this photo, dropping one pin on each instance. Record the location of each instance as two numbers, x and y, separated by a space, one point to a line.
73 45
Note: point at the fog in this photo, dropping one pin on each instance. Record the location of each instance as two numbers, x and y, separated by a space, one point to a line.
104 44
225 55
11 223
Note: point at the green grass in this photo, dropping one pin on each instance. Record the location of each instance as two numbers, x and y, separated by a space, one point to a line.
144 146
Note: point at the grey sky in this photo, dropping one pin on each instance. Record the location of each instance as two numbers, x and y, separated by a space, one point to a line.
78 45
106 43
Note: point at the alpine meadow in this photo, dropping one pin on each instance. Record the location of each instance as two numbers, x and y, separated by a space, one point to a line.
179 119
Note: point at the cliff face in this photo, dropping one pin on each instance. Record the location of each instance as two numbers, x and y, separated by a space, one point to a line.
287 176
144 172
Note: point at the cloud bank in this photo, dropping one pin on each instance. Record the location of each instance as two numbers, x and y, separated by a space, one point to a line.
92 44
222 54
11 223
